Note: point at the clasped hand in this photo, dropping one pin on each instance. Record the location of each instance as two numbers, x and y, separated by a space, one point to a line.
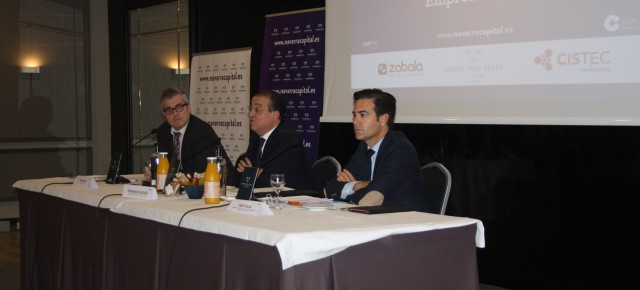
346 176
246 162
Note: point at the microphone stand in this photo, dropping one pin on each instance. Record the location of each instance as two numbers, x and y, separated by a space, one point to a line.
153 131
130 148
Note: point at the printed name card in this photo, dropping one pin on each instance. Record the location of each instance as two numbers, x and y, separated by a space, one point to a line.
140 192
85 182
250 207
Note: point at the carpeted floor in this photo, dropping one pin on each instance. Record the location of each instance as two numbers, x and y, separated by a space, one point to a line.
10 258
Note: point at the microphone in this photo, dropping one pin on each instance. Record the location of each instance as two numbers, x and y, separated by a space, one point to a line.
293 143
153 131
120 179
209 145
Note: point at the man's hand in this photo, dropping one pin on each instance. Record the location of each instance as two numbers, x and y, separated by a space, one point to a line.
346 176
246 162
360 184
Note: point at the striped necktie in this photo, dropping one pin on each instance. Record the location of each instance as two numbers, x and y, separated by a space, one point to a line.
176 146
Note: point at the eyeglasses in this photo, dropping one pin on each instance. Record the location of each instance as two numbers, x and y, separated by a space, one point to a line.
176 108
256 110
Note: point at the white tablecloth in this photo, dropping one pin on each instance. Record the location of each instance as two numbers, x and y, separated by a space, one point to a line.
299 234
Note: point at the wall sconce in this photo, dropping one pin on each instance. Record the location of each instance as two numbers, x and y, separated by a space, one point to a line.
30 69
181 71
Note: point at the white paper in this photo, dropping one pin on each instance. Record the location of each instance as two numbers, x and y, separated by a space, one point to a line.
139 192
249 207
85 182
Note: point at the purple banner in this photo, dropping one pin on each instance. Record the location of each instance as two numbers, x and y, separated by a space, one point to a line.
293 65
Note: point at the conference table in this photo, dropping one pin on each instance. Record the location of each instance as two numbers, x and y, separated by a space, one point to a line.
78 237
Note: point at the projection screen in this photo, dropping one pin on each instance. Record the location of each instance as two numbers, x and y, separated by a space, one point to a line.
570 62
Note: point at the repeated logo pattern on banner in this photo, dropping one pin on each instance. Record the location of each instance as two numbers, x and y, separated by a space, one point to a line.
293 65
220 96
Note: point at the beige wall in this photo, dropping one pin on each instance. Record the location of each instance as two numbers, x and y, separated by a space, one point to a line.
57 122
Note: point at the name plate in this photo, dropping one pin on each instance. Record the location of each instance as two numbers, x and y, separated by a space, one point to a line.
139 192
249 207
85 182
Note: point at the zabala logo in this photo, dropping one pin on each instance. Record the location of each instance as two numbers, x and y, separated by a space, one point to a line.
402 67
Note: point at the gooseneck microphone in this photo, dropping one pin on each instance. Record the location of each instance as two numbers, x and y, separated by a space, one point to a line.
293 143
153 131
114 173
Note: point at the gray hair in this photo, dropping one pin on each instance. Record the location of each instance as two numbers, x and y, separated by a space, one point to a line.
172 92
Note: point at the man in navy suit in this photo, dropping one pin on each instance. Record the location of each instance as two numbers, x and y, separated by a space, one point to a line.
281 151
391 168
197 140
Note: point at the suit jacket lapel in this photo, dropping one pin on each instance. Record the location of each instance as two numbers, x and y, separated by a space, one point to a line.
381 151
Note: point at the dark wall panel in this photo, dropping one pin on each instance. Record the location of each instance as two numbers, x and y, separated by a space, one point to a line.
558 202
238 24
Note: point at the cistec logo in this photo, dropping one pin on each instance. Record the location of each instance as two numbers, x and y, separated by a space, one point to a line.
398 68
586 60
544 59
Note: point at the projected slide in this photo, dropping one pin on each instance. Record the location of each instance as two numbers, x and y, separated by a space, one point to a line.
488 61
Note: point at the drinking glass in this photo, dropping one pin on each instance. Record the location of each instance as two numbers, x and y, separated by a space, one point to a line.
277 183
221 165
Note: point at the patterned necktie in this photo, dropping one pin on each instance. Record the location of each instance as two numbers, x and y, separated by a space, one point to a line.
259 152
370 153
176 145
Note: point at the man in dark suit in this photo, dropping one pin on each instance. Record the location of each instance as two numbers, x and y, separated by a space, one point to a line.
281 151
188 139
391 168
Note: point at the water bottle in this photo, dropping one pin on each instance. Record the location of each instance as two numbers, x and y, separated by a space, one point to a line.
155 159
221 165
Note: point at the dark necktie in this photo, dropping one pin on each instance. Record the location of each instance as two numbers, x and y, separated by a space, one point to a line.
176 146
369 153
259 152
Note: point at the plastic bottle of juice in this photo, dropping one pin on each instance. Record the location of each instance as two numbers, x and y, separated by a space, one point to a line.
211 182
161 172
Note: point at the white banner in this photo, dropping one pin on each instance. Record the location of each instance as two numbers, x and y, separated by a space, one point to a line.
220 95
605 60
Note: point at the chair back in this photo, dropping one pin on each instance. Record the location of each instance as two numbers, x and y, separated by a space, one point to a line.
437 185
324 169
